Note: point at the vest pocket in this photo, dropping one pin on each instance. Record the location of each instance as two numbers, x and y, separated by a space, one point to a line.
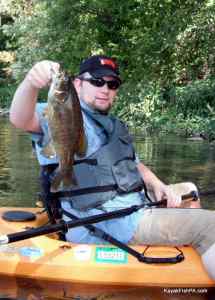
127 176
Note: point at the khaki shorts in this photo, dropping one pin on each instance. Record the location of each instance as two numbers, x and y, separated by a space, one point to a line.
176 226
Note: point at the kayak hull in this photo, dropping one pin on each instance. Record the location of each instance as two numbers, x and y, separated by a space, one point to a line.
18 288
49 263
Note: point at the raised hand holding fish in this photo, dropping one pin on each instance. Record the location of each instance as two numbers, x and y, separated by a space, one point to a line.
22 110
41 74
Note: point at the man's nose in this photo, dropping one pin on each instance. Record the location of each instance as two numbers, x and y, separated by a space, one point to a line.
105 88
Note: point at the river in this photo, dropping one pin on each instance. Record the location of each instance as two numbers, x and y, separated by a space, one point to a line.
172 158
18 167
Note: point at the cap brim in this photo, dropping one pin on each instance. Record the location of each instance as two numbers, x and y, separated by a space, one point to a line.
104 72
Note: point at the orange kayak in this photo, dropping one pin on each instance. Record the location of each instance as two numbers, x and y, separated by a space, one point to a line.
50 263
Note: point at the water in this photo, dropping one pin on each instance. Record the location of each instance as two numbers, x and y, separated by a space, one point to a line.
18 167
172 158
176 159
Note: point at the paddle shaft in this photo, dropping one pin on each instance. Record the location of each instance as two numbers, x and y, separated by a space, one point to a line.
64 226
194 196
207 193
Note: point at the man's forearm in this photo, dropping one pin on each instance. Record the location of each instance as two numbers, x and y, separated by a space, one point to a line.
22 110
150 179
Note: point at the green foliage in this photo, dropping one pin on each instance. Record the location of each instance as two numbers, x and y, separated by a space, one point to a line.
137 104
194 98
6 93
165 49
194 51
187 110
149 38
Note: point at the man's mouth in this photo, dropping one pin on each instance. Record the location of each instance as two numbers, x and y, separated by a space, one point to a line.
102 99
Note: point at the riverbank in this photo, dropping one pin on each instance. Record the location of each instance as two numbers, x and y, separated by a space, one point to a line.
190 129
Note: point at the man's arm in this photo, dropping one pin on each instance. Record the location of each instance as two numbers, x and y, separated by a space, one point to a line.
22 110
157 188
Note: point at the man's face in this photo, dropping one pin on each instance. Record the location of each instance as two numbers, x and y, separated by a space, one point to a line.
98 98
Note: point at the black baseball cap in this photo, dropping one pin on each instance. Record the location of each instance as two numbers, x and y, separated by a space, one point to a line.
99 66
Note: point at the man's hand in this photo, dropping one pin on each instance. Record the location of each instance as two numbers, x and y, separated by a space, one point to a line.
22 110
162 191
40 74
157 189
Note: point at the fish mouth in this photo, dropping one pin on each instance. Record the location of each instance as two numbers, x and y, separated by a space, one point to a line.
59 93
61 96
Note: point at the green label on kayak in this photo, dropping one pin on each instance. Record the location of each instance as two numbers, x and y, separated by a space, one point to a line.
111 255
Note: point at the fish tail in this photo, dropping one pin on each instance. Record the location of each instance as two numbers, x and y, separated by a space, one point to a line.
63 180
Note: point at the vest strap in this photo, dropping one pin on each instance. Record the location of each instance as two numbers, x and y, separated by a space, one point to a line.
89 161
96 189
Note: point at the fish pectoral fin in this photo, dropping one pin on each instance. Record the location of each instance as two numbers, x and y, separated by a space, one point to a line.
63 180
82 146
49 151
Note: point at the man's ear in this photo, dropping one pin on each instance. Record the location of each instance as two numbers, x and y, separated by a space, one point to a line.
77 84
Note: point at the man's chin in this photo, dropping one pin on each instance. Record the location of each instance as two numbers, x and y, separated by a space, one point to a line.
103 110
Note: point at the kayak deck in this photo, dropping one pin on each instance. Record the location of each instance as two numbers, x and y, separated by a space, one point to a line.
45 258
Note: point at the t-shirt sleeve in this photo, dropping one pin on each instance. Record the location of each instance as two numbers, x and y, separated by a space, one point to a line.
38 137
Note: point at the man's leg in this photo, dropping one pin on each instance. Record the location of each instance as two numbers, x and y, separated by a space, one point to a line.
171 226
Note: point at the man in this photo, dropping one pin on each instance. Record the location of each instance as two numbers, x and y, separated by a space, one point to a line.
108 141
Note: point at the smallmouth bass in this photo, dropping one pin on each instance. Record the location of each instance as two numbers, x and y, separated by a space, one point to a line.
66 130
